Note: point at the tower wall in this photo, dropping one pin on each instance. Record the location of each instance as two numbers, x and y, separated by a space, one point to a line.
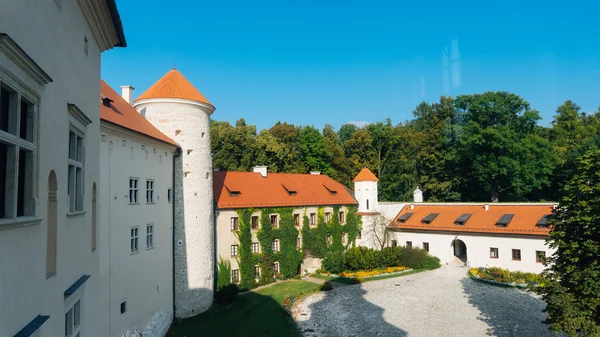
363 191
188 123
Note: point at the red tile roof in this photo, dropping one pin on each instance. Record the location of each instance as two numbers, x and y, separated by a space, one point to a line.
123 114
526 216
173 85
270 191
365 175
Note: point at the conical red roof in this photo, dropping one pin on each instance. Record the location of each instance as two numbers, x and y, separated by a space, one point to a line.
173 85
365 175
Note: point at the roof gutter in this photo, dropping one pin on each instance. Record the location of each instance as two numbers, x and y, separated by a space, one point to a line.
117 23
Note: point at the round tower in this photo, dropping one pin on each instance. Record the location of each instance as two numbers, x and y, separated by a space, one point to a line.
365 191
175 107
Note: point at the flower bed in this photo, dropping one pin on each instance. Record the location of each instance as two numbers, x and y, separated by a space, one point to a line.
506 277
374 272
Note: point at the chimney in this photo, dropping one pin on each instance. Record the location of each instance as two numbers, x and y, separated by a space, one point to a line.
418 195
486 207
315 172
127 93
260 169
412 206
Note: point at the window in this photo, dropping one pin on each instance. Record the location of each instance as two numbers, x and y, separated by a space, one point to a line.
408 243
540 256
275 245
123 307
274 222
429 218
516 255
298 243
276 267
493 253
359 235
255 247
404 217
256 271
313 219
234 250
255 222
170 195
342 216
75 171
133 190
344 238
394 243
426 246
504 220
235 276
329 240
150 191
149 236
233 224
327 217
297 220
17 153
134 239
73 320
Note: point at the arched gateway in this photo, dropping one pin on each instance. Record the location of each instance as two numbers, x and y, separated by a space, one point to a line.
459 250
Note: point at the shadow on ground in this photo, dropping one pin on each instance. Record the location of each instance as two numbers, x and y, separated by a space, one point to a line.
507 311
348 320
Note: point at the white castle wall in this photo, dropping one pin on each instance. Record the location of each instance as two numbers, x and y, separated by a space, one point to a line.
363 191
188 123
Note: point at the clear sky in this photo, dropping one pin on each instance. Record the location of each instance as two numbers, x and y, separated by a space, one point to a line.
315 62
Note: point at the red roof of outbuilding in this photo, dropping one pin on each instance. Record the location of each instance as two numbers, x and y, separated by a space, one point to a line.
250 189
526 216
365 175
123 114
173 85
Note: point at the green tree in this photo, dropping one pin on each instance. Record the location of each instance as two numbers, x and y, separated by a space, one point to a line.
346 131
287 136
314 150
400 178
572 293
233 148
358 150
340 167
500 152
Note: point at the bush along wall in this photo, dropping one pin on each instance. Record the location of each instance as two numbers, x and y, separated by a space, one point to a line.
314 241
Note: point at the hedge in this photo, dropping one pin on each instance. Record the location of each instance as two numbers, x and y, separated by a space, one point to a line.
362 258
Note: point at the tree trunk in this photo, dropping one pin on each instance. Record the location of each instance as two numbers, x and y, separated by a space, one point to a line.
493 191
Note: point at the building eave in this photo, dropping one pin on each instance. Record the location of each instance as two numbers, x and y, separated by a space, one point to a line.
105 23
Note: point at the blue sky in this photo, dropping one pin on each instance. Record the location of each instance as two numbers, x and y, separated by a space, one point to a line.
317 62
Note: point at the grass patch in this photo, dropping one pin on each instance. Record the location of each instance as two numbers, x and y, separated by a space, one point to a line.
255 313
348 280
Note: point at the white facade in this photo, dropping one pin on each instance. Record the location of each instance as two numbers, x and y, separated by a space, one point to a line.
365 193
188 123
137 271
50 59
478 248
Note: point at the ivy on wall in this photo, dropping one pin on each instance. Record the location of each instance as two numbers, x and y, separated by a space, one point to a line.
314 241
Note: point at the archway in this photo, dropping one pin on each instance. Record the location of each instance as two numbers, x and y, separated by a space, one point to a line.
459 250
51 227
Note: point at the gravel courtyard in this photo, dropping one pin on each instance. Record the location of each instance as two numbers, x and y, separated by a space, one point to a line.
443 302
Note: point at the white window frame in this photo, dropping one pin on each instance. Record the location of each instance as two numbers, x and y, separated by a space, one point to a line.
76 182
237 271
134 190
134 241
276 220
234 250
11 203
257 245
327 217
276 267
312 219
150 236
149 191
342 217
234 224
275 245
70 303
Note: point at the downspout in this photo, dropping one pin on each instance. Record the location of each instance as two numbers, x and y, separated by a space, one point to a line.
176 155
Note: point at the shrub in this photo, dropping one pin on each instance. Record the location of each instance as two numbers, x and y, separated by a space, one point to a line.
223 273
226 295
430 263
326 286
334 262
506 276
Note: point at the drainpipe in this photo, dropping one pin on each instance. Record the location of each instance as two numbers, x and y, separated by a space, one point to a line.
176 155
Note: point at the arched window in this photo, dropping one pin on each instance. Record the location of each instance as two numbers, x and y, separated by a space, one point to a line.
51 226
94 218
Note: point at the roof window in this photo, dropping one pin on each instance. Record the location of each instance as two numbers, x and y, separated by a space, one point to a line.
428 219
461 220
543 222
404 217
504 220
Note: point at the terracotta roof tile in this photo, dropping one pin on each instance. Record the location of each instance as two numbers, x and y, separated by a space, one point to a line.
173 85
270 191
365 175
123 114
526 216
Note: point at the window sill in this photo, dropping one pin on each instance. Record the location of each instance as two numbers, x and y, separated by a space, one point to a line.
150 203
76 213
133 253
493 258
134 203
149 248
20 222
516 260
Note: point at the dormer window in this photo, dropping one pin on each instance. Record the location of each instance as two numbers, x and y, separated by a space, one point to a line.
461 220
504 220
234 193
404 217
106 101
289 189
331 189
543 222
428 219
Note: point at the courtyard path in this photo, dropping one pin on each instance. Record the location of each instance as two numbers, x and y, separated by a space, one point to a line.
443 302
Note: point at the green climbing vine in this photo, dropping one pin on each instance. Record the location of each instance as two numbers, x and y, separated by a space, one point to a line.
316 241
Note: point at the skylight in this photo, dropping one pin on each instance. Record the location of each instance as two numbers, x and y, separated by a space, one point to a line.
543 222
504 220
461 220
404 217
428 219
